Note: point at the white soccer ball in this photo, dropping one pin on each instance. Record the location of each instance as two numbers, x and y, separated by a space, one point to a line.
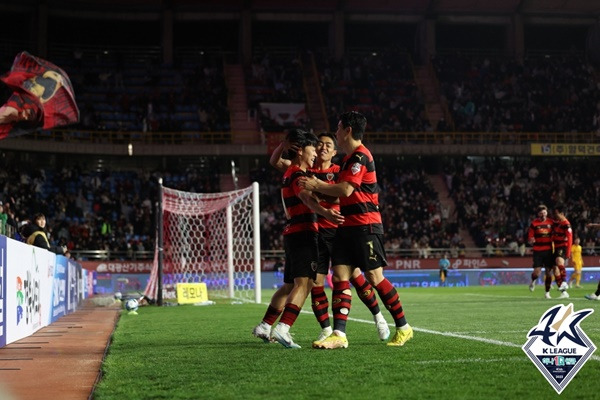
118 296
131 305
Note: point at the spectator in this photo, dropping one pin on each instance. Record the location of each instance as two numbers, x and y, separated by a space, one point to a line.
3 219
36 236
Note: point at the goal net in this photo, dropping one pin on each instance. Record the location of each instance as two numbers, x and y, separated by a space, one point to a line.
212 238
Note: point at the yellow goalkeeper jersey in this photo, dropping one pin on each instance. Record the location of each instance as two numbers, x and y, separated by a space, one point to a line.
576 256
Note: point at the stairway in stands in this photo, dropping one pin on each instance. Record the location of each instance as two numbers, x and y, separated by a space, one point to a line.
428 85
244 126
439 184
314 98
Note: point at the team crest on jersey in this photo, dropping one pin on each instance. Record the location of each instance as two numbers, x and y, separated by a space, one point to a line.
355 168
557 345
330 176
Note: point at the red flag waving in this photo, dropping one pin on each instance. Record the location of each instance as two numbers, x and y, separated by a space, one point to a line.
42 97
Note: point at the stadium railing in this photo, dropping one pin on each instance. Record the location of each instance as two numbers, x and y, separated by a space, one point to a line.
88 255
6 229
474 252
275 254
451 252
185 138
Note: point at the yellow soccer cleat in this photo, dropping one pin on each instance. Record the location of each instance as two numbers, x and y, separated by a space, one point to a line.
334 341
401 336
325 333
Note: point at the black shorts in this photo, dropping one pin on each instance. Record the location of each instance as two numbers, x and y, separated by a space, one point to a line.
326 237
301 256
543 259
358 248
560 252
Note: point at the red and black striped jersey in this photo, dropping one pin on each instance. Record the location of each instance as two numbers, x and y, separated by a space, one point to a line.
562 235
300 218
361 208
329 175
541 231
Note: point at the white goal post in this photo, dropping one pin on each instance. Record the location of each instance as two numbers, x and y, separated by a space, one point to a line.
212 238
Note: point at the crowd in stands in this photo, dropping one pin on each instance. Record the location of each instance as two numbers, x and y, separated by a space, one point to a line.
495 201
414 219
541 94
413 216
114 211
146 96
92 210
379 85
276 78
557 93
496 198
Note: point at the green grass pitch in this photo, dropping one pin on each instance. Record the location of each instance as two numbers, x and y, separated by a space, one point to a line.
467 345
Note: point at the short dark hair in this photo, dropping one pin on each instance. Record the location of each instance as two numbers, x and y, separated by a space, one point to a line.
559 208
302 139
329 135
38 216
356 121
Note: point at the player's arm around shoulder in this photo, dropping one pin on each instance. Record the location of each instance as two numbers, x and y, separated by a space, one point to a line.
340 189
312 202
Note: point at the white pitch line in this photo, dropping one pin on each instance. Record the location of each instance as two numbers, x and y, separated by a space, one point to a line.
451 334
520 331
473 360
488 333
496 296
461 336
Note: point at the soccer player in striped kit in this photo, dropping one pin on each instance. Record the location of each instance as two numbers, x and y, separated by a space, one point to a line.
562 237
300 243
327 171
358 242
539 236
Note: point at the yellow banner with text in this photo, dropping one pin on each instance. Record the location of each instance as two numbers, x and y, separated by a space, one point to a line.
565 149
188 293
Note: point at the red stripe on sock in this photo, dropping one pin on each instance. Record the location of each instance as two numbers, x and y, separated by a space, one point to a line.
389 297
320 305
290 313
271 315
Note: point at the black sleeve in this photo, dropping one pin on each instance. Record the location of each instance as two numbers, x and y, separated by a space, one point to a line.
40 242
57 250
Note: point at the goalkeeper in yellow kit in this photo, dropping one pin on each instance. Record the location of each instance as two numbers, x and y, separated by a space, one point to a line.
577 264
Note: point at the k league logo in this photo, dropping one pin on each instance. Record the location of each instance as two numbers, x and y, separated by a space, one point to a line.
557 345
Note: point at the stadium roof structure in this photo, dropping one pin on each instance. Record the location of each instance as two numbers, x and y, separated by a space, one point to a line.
429 8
